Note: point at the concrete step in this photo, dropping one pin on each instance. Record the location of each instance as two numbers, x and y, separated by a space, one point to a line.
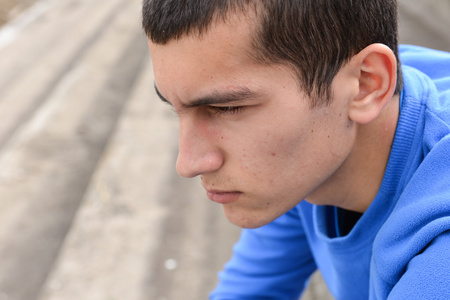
59 113
425 23
44 53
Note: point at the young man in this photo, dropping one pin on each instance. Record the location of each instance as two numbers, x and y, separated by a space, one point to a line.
298 119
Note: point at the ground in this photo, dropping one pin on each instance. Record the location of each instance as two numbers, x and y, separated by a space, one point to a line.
11 8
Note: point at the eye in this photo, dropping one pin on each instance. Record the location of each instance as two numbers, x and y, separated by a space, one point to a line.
226 110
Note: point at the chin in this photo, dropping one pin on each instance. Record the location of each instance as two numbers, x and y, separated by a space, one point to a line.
250 220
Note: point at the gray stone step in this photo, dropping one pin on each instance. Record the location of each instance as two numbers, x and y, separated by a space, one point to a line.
59 112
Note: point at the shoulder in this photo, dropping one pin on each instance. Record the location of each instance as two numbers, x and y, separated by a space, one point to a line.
420 216
426 75
434 63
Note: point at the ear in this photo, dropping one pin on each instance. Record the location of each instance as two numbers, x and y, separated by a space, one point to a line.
376 68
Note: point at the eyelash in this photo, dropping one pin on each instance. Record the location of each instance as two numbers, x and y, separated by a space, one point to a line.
226 110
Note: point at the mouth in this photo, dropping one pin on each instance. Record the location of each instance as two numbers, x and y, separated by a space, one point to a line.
223 197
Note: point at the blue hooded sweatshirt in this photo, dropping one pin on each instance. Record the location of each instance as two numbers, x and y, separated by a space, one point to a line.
400 247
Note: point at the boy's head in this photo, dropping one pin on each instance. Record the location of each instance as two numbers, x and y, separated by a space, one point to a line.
277 100
313 37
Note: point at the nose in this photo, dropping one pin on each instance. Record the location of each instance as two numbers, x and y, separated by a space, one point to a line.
198 154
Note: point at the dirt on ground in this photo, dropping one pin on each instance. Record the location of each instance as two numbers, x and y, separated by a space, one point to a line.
11 8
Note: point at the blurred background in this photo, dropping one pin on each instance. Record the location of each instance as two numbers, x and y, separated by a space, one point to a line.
90 204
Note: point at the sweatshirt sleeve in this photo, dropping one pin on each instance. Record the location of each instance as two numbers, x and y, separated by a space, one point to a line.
271 262
411 252
426 226
427 275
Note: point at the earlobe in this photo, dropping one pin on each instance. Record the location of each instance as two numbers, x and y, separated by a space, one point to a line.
377 75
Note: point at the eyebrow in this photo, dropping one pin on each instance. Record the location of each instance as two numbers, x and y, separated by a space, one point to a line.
216 97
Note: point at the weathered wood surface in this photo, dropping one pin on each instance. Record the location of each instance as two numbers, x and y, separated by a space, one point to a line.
90 205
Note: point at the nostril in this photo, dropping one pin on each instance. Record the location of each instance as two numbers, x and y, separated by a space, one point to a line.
190 164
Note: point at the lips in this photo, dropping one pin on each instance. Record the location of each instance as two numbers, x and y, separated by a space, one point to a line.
223 197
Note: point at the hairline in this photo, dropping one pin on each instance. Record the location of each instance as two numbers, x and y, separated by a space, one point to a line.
252 12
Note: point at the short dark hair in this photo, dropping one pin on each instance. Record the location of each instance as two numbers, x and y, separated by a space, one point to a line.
315 37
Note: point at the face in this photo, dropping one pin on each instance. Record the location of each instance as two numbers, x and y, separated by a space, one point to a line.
247 129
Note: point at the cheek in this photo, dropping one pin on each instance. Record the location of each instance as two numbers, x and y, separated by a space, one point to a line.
269 155
293 154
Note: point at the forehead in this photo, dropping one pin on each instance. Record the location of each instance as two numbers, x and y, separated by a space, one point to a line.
222 53
236 30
